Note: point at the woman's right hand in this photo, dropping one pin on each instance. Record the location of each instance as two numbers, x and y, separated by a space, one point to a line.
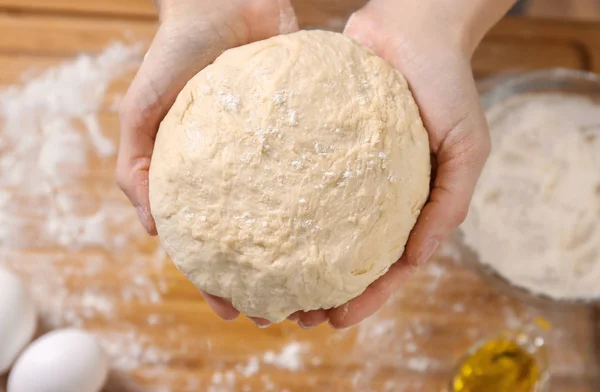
191 35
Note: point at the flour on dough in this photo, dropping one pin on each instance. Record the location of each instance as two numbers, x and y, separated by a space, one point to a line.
535 216
288 174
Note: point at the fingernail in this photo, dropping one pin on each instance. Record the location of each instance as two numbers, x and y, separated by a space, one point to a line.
334 327
304 326
349 22
263 326
428 250
260 324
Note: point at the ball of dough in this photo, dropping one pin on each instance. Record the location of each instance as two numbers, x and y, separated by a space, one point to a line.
288 174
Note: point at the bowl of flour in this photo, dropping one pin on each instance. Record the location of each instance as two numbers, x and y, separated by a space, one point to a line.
534 221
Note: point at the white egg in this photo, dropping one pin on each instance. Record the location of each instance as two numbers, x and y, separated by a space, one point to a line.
68 360
18 318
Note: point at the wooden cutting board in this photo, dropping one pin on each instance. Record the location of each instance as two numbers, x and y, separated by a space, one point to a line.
411 346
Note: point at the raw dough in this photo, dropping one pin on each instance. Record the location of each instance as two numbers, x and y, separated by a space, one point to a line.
288 174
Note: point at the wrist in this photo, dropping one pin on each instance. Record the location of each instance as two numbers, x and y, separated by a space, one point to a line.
237 22
478 18
460 24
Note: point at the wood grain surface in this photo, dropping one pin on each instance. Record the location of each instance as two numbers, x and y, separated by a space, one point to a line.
412 345
573 9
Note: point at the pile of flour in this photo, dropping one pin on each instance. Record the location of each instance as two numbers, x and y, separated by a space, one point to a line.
535 216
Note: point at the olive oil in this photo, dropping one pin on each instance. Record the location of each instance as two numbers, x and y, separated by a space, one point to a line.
500 365
512 361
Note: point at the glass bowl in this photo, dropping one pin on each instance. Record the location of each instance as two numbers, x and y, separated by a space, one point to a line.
497 89
512 358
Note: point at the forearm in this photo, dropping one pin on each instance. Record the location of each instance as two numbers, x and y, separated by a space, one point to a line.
463 22
479 17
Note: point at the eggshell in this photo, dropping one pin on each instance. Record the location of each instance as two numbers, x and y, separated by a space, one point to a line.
68 360
18 318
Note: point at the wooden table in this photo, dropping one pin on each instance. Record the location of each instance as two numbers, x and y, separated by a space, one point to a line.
410 346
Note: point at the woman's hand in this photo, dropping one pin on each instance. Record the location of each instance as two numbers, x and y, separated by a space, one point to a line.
192 34
431 43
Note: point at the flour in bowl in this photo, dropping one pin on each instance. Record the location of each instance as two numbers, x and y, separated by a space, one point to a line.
535 216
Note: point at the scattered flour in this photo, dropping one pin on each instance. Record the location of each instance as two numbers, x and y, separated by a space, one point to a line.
51 141
231 103
293 117
48 125
251 368
541 190
290 357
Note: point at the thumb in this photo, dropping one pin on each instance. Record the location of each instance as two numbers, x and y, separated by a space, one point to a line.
460 160
170 62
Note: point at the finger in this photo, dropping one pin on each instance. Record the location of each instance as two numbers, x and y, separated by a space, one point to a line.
221 307
312 318
168 65
263 10
294 316
460 160
260 322
371 300
287 17
461 163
